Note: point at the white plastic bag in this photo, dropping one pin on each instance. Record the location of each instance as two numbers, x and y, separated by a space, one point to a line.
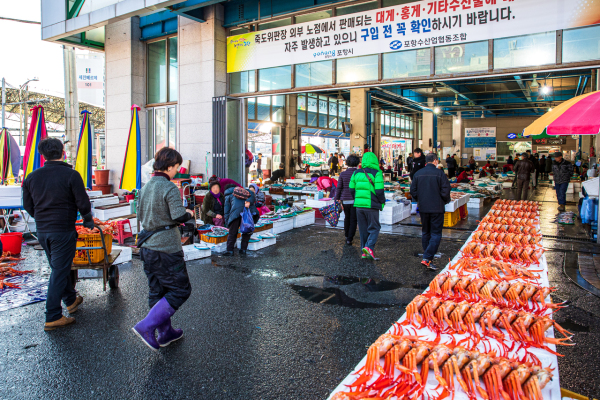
147 171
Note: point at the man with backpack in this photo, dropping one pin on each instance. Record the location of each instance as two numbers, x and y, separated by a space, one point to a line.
366 187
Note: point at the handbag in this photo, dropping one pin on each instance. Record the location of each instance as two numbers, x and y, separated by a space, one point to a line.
331 213
247 224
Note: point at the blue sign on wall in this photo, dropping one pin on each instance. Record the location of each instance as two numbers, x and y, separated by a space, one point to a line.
512 135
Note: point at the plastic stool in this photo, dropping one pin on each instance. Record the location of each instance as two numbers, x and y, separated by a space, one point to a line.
121 233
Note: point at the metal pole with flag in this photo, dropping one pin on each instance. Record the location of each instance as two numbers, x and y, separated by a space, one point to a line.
83 163
32 159
131 176
6 171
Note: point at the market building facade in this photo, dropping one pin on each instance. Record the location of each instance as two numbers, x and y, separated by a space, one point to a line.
214 78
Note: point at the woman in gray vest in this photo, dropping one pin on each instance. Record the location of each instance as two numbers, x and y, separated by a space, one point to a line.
161 211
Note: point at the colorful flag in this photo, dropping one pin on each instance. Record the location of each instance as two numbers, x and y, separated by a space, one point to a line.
83 163
131 177
6 171
32 159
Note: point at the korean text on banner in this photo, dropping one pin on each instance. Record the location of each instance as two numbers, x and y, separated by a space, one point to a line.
404 27
480 137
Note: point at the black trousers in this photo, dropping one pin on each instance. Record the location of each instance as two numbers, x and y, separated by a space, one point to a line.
522 189
60 250
350 221
234 228
432 233
451 173
167 277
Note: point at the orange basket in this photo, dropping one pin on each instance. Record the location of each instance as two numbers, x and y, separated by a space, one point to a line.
213 239
92 240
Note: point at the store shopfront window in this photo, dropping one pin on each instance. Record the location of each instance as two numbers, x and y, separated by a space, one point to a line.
242 82
357 69
266 109
581 44
161 128
322 111
458 58
162 73
314 74
404 64
275 78
525 51
396 125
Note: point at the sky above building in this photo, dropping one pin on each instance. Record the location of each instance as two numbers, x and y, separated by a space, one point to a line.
24 54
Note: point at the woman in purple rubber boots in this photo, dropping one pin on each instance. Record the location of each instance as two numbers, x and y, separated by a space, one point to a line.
160 211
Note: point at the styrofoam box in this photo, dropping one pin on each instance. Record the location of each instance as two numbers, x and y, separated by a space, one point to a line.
215 248
266 239
406 213
318 203
116 212
195 252
591 186
104 201
507 185
283 225
10 191
306 218
452 206
89 273
125 256
252 246
94 193
10 201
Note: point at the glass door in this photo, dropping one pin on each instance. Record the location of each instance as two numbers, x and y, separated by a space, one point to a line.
236 140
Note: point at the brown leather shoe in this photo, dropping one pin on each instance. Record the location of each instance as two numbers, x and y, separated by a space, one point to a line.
73 307
63 321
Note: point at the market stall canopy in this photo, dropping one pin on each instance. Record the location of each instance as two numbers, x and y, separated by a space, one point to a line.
131 176
10 156
312 149
32 159
577 116
83 163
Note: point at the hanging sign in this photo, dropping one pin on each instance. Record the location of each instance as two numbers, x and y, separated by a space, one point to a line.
404 27
480 137
512 136
550 141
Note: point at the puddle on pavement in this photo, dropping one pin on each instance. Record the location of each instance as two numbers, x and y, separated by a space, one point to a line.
333 296
574 326
352 291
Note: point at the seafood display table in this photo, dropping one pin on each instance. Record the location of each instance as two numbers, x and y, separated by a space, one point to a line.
550 392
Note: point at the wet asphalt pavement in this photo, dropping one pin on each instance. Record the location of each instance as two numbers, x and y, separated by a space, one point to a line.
249 333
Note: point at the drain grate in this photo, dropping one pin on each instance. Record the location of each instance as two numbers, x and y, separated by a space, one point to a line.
576 238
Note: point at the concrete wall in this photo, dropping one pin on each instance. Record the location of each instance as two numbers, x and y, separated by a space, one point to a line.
202 76
125 85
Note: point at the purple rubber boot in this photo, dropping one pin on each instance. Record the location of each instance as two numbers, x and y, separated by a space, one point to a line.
167 334
158 315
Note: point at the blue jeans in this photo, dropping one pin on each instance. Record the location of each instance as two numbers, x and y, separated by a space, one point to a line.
432 224
60 250
368 226
561 192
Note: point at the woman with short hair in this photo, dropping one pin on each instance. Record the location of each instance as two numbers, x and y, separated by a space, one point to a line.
160 210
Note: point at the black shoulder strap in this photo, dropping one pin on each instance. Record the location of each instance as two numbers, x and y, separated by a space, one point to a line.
369 178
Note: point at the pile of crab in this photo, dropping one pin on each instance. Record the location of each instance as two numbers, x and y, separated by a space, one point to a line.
488 315
6 271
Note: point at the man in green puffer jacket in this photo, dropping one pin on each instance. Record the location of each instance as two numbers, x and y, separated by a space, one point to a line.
366 187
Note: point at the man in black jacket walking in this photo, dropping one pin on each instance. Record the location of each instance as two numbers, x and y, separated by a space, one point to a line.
418 162
431 188
52 195
451 164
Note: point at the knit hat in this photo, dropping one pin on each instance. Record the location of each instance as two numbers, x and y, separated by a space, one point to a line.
255 186
213 178
213 183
